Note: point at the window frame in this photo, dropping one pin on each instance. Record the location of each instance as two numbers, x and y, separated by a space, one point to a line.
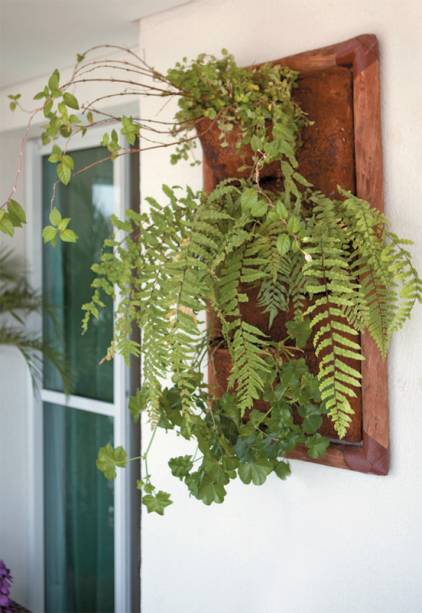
126 516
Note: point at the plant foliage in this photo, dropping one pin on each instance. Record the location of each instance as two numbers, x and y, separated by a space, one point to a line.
18 301
331 265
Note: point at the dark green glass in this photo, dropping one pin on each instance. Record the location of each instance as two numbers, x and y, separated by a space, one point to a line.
79 513
88 201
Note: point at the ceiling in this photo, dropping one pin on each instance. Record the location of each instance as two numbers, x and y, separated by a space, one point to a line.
37 36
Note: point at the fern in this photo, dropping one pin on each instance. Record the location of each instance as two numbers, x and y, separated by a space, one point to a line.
246 343
374 262
406 276
331 286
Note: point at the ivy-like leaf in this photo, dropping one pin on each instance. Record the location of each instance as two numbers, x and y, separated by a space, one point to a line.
255 471
109 459
317 445
282 469
300 330
156 503
181 466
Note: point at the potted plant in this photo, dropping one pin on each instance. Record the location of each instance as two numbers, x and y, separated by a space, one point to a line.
330 266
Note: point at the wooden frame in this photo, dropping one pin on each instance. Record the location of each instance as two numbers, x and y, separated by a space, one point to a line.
361 55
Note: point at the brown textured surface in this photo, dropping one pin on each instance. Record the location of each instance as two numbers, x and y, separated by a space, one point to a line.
228 161
326 154
361 56
326 157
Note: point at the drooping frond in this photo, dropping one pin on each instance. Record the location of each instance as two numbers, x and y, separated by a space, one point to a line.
330 286
374 261
245 342
407 278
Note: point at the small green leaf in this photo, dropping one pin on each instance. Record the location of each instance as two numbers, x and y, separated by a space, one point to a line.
248 199
282 469
256 143
317 445
255 472
49 234
299 330
145 485
64 223
259 208
48 105
68 236
181 466
281 210
56 155
53 81
64 173
16 213
109 459
283 244
70 101
55 217
138 402
6 226
293 224
68 161
129 129
156 503
312 423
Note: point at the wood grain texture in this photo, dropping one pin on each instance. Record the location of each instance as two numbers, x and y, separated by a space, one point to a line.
361 56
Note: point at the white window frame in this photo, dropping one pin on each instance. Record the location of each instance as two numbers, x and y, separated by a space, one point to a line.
124 541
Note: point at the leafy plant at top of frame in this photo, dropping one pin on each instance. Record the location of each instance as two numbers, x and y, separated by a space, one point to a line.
331 264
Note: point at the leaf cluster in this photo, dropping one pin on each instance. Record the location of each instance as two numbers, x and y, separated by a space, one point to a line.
331 266
257 102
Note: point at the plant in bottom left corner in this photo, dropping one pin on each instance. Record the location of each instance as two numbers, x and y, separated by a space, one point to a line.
5 586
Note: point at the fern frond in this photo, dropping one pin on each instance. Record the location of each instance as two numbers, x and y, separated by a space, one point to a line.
330 285
248 364
245 342
407 279
366 228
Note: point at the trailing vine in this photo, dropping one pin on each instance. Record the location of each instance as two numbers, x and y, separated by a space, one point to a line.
331 265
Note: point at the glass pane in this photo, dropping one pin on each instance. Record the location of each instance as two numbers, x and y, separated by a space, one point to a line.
79 534
88 200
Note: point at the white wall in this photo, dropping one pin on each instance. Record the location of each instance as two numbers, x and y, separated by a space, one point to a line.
13 424
326 540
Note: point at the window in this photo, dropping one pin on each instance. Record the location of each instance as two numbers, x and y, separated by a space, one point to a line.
87 548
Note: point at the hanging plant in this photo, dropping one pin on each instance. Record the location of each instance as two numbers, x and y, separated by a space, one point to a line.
331 265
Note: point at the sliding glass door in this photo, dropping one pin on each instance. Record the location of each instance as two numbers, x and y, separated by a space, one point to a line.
88 521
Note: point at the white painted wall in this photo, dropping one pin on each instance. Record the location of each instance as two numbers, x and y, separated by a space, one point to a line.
326 540
13 425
